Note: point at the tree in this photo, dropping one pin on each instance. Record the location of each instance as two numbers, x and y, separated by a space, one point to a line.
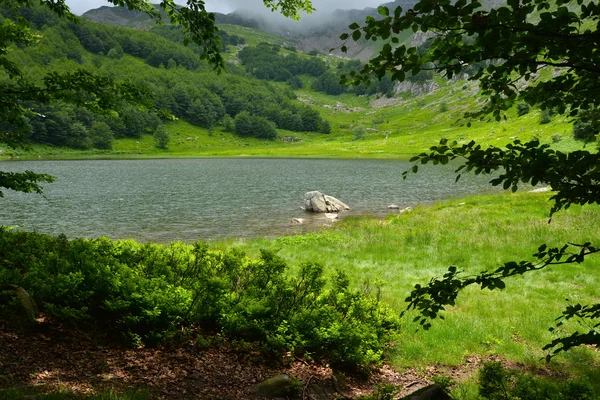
101 135
255 126
97 93
161 137
510 44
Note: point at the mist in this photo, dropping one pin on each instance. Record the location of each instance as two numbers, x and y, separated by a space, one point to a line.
227 6
321 6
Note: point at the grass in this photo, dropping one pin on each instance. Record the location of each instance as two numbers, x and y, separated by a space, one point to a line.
21 393
474 234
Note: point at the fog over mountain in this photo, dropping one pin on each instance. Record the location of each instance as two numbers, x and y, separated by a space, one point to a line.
227 6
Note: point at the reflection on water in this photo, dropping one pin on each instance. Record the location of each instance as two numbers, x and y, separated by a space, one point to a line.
203 199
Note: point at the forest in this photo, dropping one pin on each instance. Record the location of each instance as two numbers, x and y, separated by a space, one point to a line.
180 84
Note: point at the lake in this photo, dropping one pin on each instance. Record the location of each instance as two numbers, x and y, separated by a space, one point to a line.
206 199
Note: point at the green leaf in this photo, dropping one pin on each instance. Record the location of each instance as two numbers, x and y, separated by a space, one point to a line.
383 10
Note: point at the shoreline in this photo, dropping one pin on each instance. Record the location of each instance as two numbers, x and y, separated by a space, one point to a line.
133 156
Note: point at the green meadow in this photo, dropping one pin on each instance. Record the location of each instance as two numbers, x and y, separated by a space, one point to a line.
474 234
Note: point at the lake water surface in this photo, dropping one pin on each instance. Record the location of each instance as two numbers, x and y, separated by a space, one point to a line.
204 199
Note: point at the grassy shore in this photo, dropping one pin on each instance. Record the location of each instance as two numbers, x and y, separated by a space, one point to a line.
474 234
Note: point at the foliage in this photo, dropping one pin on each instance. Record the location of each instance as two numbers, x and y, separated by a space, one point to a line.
324 127
546 116
101 135
587 125
265 62
549 46
148 293
523 108
497 383
359 132
161 137
253 125
16 393
383 391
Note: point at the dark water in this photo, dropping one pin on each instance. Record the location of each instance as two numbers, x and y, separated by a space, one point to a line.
203 199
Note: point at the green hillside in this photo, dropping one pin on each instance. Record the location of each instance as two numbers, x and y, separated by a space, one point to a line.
410 121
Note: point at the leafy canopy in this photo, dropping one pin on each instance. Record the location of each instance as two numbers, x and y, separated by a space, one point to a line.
540 52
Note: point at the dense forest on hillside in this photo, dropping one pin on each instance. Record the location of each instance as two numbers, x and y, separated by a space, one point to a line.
178 83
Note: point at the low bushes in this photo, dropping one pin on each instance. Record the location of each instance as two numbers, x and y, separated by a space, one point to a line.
498 383
149 293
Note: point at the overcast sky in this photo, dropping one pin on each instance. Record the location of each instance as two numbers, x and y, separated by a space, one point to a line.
226 6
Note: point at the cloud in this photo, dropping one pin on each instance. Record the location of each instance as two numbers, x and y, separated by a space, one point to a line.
226 6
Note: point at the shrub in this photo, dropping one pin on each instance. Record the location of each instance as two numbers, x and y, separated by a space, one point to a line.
324 127
546 116
384 391
228 124
359 132
150 293
253 125
523 109
101 135
587 124
496 383
161 137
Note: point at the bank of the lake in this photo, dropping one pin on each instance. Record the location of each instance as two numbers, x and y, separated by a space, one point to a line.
473 233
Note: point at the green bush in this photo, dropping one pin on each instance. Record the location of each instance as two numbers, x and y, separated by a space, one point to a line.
497 383
546 116
149 293
161 137
523 109
587 124
359 132
384 391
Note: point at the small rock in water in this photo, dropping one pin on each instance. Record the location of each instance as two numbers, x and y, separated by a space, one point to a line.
298 221
394 207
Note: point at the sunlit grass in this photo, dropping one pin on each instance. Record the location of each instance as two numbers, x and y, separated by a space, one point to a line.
474 234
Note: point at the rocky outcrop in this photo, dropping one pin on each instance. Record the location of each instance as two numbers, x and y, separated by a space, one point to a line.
316 201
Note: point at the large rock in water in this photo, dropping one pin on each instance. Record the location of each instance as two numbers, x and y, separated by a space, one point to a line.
316 201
